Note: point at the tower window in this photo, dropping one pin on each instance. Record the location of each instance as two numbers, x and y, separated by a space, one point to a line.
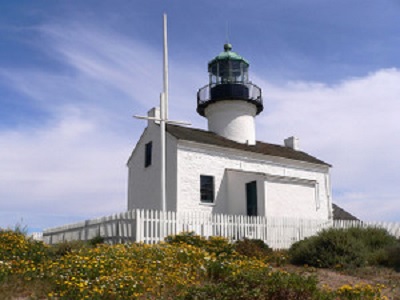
148 154
206 189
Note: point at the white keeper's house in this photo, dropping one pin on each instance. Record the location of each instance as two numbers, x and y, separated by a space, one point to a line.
225 169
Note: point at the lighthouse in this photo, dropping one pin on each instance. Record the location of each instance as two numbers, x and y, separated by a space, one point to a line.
224 170
230 101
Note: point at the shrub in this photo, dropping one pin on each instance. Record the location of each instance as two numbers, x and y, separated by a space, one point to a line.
66 247
360 291
16 246
127 271
372 238
278 258
393 254
162 271
20 255
379 257
97 240
352 247
253 248
260 284
189 238
214 244
21 228
218 246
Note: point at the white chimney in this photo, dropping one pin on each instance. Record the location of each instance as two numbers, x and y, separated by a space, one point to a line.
292 142
153 113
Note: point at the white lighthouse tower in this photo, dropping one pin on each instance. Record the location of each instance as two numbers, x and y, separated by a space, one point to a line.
230 101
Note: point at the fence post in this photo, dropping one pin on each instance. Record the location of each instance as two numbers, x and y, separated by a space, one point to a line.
138 226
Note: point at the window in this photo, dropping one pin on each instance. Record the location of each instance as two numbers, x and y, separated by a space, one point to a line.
206 189
147 155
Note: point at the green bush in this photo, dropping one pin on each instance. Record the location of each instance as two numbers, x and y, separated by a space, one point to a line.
393 254
20 255
213 244
219 246
139 271
253 248
66 247
260 284
16 246
189 238
379 257
354 247
278 258
373 238
97 240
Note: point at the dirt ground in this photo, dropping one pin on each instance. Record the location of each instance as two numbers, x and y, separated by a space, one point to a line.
371 275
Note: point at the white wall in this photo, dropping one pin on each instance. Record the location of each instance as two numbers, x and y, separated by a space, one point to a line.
288 199
196 159
233 119
144 188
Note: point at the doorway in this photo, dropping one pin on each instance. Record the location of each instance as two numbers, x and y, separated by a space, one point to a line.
251 198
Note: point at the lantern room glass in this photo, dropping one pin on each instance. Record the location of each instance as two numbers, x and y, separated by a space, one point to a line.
228 72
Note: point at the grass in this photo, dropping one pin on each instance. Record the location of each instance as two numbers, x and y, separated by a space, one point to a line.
186 266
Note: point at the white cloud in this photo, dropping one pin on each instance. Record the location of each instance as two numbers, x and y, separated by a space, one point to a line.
112 60
71 165
352 125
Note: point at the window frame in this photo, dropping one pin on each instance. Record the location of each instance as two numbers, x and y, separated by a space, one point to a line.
207 194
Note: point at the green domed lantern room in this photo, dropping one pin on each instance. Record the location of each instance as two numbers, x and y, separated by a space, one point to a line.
230 96
228 79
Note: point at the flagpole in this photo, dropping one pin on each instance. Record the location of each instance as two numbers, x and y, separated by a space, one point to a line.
165 67
162 142
164 117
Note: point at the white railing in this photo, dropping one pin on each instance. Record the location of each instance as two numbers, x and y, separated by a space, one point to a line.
150 226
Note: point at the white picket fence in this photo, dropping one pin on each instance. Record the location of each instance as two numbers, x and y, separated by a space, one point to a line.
117 228
37 236
150 226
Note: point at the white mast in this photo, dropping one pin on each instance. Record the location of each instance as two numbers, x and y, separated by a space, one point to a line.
165 68
164 118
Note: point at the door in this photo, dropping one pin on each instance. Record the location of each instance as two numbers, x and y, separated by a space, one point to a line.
251 198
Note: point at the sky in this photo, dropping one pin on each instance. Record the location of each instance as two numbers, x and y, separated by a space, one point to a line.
72 74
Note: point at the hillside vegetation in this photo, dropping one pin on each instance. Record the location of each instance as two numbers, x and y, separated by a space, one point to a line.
186 266
349 248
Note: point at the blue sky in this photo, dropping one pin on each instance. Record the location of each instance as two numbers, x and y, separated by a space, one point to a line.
72 74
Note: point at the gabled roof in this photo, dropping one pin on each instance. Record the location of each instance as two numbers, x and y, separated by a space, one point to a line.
340 214
210 138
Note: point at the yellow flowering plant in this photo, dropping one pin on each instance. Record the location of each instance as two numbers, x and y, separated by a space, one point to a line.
207 269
